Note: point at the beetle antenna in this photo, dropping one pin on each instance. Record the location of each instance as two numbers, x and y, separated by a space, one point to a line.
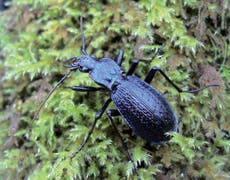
83 50
49 94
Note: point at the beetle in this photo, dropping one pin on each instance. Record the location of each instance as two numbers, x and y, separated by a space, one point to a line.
144 108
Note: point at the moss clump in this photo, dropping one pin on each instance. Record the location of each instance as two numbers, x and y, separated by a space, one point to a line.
37 37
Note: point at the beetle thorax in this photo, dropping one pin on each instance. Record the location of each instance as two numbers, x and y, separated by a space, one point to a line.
106 72
85 63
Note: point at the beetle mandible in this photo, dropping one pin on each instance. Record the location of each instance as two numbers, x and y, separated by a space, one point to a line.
144 109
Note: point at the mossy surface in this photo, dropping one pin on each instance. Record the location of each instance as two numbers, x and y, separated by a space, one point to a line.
38 36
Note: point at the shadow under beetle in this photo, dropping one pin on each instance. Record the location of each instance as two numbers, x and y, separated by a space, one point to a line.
144 109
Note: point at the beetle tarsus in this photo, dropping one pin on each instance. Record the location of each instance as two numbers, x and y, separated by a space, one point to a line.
85 140
97 116
111 113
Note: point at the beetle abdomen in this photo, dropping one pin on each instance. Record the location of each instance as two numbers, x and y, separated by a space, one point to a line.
144 109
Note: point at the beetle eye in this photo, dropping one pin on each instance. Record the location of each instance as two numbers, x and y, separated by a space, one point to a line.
83 69
80 67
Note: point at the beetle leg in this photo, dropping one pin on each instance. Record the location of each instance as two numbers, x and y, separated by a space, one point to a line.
111 113
85 140
120 57
102 110
132 67
85 88
97 116
153 71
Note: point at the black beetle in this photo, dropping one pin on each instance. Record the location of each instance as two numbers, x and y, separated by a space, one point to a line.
145 109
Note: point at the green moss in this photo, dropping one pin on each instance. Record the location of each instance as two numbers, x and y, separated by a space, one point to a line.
37 37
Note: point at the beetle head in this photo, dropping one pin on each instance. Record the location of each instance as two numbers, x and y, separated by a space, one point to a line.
84 63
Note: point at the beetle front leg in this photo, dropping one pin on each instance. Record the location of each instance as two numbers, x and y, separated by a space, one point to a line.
97 116
111 113
85 88
153 71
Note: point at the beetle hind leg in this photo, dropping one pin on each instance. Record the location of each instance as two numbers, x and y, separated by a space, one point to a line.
153 71
110 114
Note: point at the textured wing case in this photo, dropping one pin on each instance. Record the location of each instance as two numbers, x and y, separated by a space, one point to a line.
144 109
